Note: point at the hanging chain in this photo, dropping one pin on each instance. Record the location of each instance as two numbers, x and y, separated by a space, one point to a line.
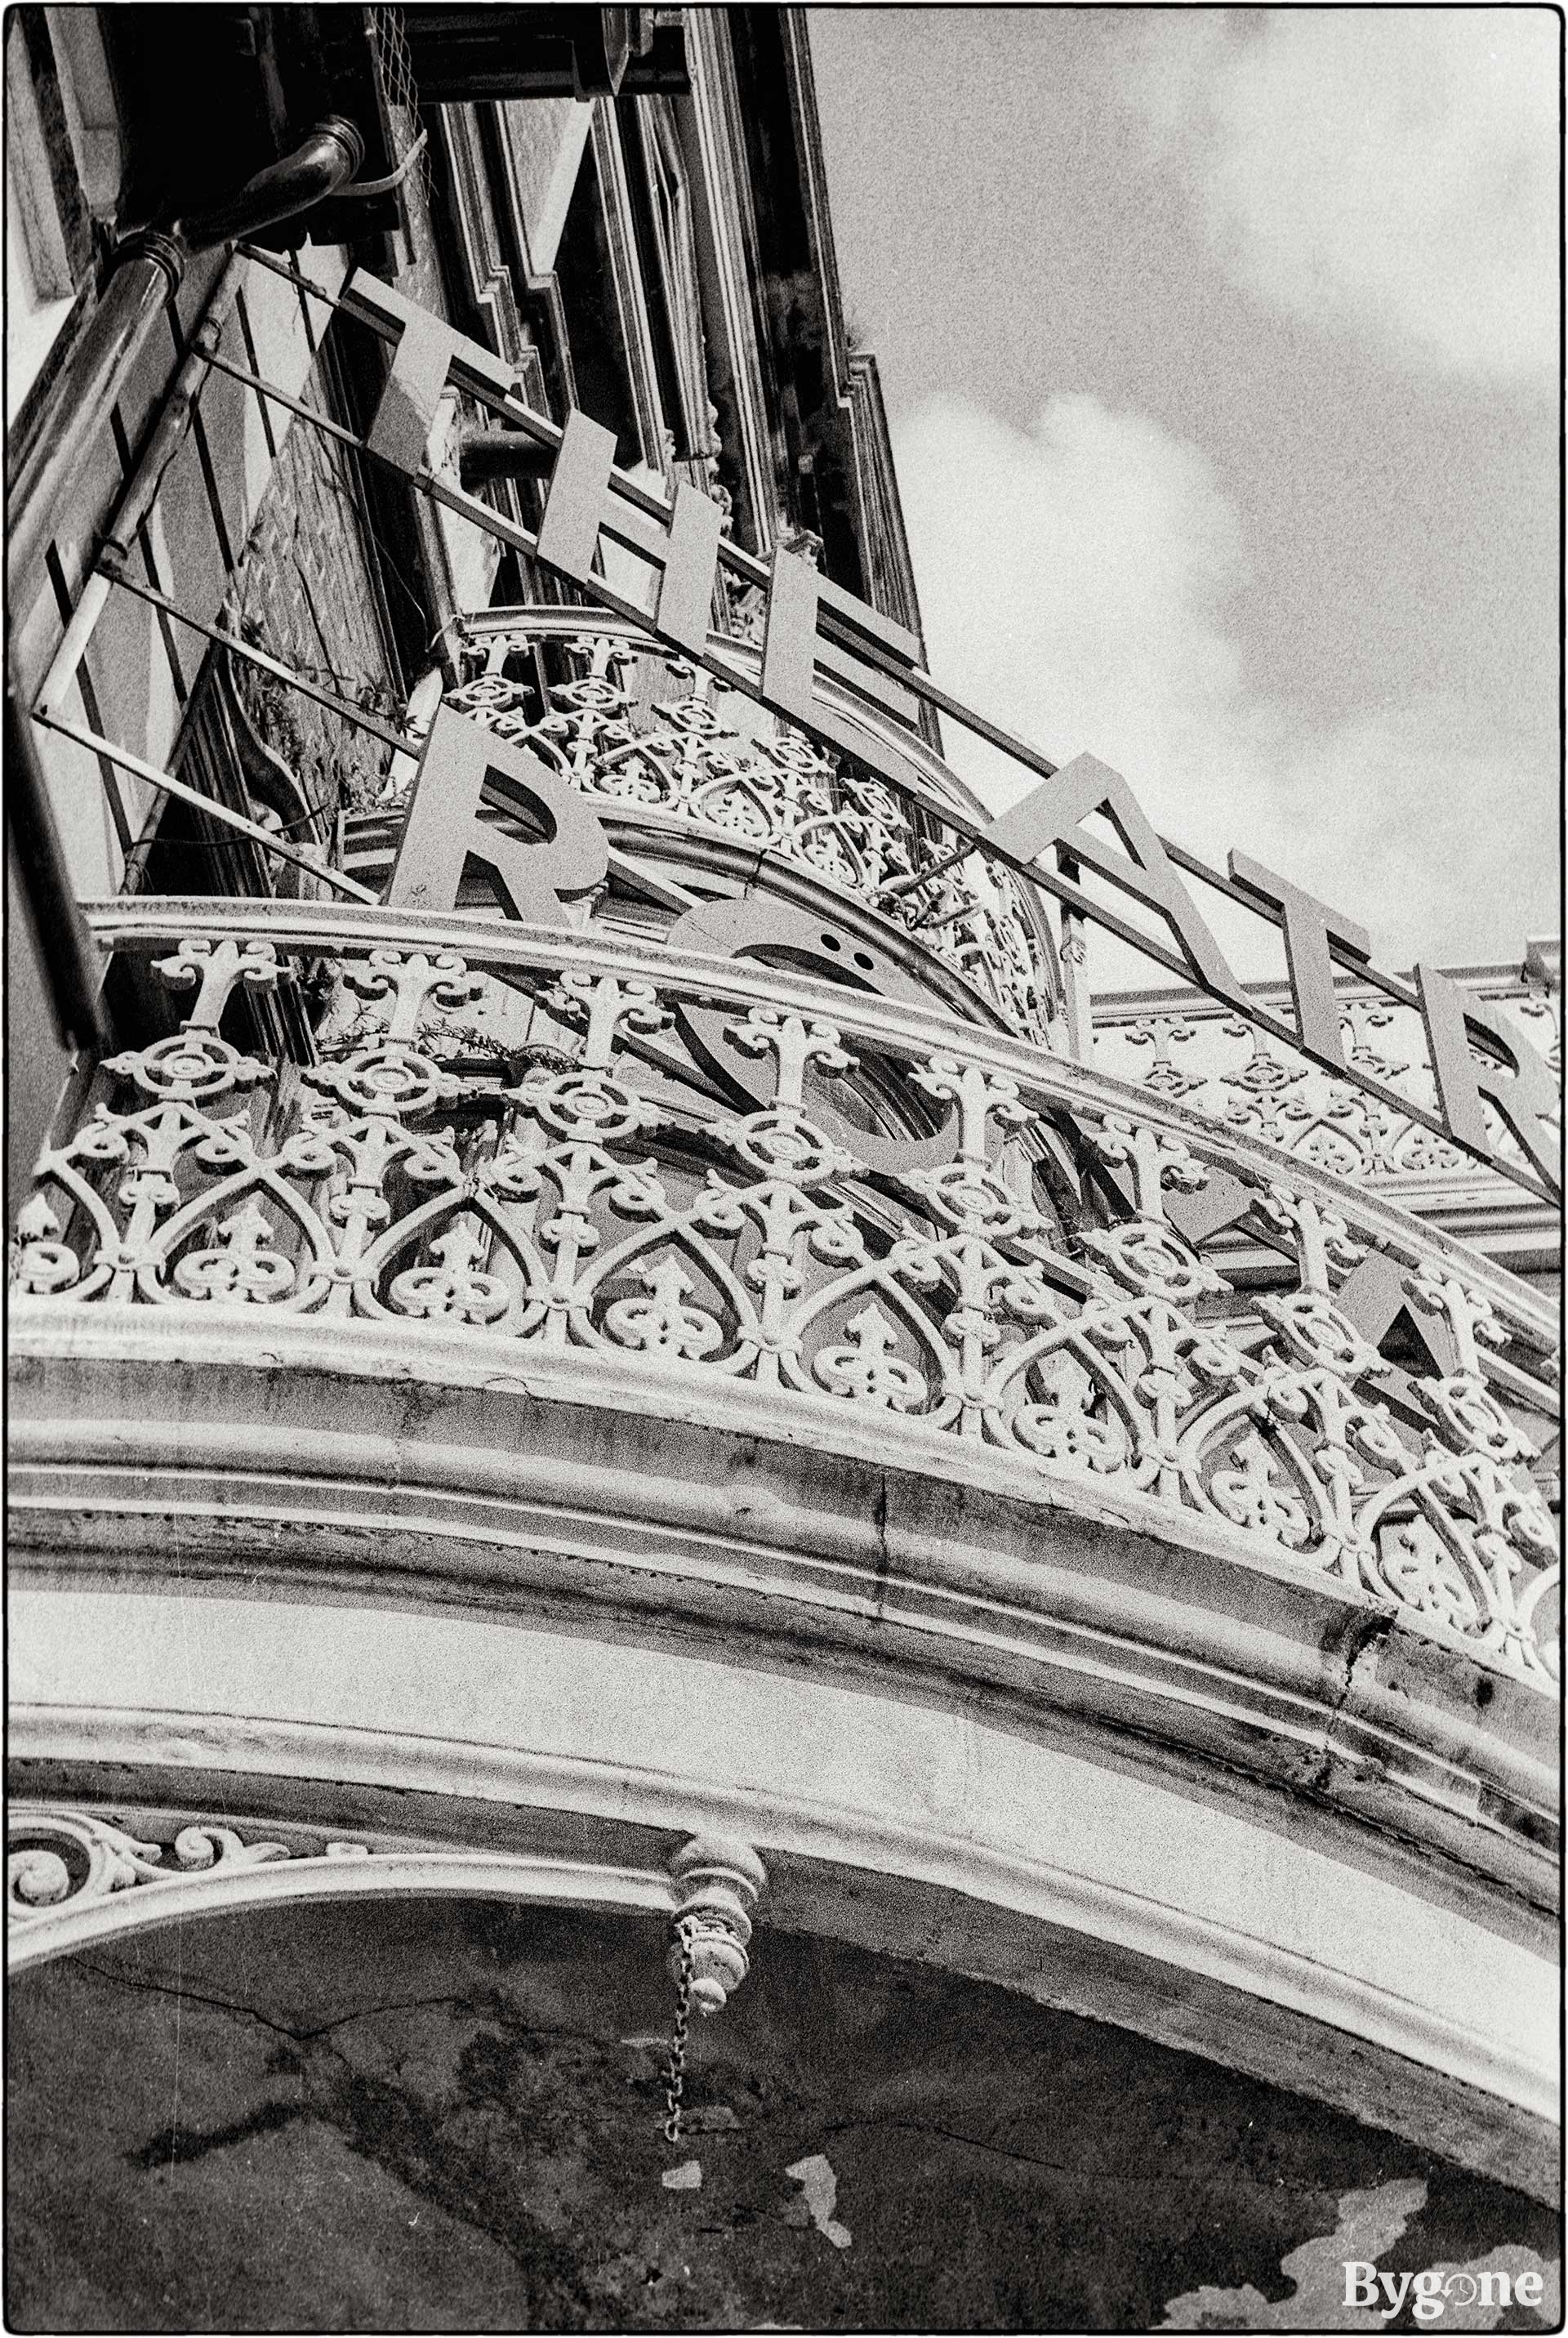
675 2073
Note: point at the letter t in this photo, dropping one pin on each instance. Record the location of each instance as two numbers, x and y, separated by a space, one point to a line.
1308 923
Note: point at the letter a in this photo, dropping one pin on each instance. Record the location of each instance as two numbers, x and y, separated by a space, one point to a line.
1055 814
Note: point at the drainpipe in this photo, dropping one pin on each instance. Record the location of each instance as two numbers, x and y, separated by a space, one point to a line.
331 153
148 269
174 419
140 492
486 455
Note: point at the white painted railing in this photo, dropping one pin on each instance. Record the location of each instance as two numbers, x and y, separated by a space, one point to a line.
715 1173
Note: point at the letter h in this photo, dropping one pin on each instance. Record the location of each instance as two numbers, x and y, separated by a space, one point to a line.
582 501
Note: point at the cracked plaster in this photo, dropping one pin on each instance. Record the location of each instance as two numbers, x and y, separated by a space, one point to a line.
409 2116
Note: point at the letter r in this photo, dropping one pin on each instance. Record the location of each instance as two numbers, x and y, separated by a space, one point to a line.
462 763
1525 1094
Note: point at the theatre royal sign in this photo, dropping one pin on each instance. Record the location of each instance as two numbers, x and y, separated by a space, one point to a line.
814 630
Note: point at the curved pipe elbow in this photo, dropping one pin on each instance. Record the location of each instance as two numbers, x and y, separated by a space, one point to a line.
324 162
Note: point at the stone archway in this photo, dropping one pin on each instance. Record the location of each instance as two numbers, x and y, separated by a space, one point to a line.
76 1877
446 2113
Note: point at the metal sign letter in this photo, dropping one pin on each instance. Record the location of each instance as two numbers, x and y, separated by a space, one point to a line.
581 503
1527 1097
1055 814
461 764
1307 926
428 354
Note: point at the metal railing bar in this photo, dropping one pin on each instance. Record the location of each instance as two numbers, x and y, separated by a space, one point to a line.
323 422
166 631
522 539
901 885
293 275
482 515
930 925
1037 873
1388 982
755 572
1032 872
142 770
398 740
920 685
89 696
538 427
80 627
247 334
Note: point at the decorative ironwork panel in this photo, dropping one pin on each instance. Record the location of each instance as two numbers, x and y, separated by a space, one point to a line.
587 1196
1184 1051
675 745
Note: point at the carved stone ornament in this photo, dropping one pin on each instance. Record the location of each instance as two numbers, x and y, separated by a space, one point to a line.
75 1876
64 1861
717 1883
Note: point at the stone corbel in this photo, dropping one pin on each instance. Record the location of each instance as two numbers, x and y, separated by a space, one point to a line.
717 1884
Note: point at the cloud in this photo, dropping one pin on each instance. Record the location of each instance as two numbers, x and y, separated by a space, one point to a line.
1077 583
1393 170
1052 564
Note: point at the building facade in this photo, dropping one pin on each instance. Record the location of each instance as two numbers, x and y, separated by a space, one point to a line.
630 1401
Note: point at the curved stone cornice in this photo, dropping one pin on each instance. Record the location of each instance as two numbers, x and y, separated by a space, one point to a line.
966 1290
1390 2001
1067 1607
889 1484
74 1878
78 1875
1041 1742
434 1815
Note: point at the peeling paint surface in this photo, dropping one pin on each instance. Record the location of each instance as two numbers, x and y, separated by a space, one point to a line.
414 2116
819 2190
1369 2224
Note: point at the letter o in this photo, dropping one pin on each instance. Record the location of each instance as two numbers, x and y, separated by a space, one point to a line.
752 924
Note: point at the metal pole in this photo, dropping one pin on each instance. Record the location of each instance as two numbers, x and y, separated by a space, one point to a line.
174 420
85 392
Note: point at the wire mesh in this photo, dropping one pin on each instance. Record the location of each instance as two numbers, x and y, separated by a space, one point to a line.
400 97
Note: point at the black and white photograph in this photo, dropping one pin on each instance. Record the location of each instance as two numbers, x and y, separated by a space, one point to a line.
783 1168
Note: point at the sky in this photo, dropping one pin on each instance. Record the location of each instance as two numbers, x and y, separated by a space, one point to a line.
1220 354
